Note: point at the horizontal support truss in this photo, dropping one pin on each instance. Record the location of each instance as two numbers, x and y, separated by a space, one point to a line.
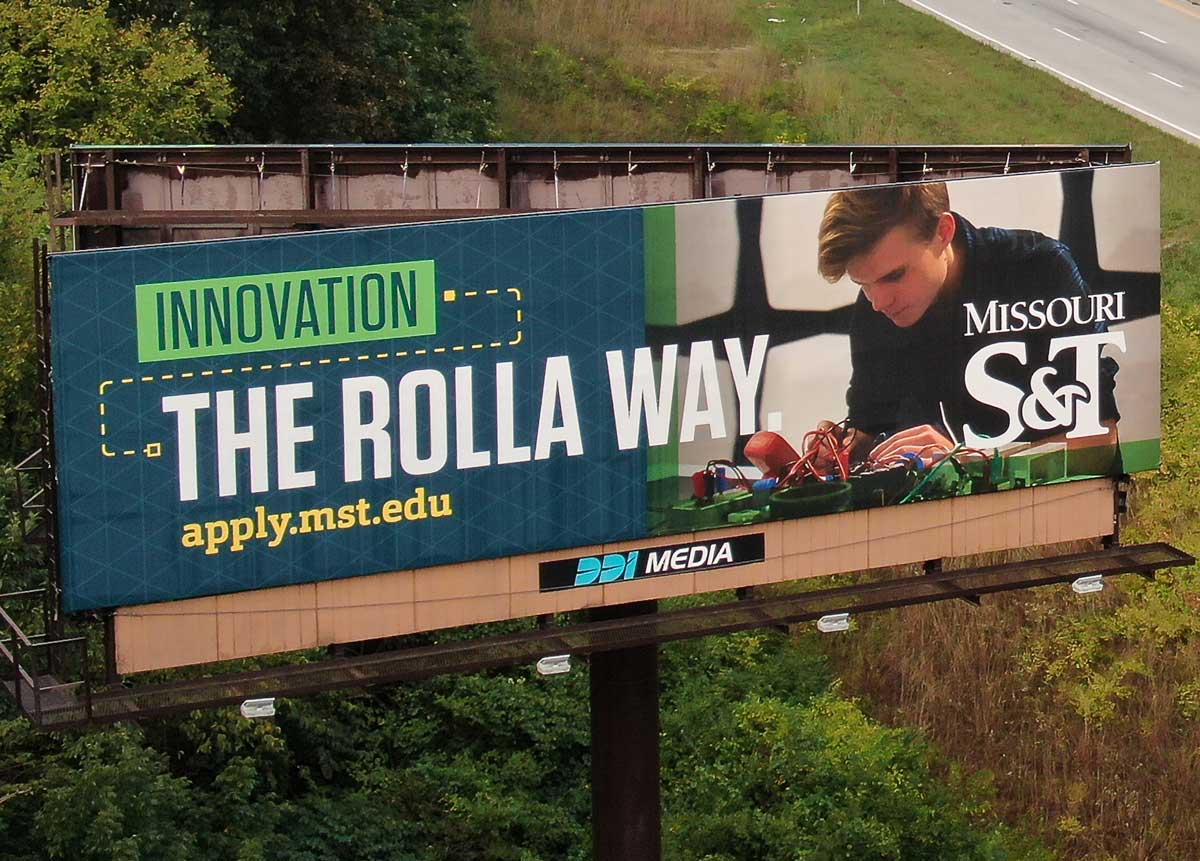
75 704
87 194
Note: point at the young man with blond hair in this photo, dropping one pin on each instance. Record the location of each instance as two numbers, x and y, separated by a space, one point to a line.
925 273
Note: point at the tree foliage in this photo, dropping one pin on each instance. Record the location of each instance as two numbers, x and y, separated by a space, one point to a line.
342 70
761 760
69 72
22 219
764 760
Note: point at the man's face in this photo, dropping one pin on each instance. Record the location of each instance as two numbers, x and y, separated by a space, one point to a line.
903 274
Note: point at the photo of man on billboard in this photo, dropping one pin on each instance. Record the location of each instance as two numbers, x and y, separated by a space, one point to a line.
935 290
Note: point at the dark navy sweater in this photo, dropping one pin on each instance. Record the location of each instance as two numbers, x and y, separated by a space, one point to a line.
904 377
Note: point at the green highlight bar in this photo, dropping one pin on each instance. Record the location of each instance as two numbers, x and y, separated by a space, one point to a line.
285 310
1141 455
658 241
658 250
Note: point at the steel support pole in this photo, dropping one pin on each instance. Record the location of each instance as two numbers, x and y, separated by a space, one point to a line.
111 676
626 804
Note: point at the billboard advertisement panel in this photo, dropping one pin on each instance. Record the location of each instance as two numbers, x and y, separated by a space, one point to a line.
240 414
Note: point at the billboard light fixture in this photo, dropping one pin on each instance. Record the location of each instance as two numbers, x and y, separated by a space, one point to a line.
258 708
1088 585
833 623
554 665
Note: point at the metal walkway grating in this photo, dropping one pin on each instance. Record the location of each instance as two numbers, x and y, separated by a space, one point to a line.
73 708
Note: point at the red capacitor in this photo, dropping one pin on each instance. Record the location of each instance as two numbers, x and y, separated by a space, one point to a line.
771 453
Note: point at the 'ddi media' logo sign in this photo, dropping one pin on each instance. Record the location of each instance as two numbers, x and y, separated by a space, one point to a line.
246 413
693 557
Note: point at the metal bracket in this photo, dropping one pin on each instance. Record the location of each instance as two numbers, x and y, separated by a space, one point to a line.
53 704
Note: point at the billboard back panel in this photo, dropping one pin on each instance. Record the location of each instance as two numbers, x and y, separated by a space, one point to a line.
244 414
286 618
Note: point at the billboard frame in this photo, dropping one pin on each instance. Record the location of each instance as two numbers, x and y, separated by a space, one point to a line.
100 215
72 656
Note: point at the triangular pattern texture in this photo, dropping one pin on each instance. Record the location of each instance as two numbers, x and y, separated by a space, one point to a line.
579 277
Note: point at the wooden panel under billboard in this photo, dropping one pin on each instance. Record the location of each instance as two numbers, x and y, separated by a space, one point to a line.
248 624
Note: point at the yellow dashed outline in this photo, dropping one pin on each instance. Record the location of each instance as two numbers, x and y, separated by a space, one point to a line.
104 449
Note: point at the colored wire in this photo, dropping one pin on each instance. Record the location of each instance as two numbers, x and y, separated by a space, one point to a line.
834 442
949 458
746 483
976 451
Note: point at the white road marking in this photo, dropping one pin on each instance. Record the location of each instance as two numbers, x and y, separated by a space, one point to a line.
1155 38
970 29
1068 35
1168 80
1084 84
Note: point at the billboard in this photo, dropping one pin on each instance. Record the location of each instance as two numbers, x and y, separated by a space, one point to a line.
241 414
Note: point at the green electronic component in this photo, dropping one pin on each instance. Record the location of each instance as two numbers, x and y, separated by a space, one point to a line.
739 500
1018 468
692 515
997 463
826 497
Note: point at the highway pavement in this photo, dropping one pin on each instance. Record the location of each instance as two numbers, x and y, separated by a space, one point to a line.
1141 55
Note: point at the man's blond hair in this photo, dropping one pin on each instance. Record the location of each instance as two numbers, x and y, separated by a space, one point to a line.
855 220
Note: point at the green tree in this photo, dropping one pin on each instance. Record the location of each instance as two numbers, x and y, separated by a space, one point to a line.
763 760
340 70
112 797
69 72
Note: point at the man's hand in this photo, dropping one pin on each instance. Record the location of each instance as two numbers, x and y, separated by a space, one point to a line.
924 441
823 444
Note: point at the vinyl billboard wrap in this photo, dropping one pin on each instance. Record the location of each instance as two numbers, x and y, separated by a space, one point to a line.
238 414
